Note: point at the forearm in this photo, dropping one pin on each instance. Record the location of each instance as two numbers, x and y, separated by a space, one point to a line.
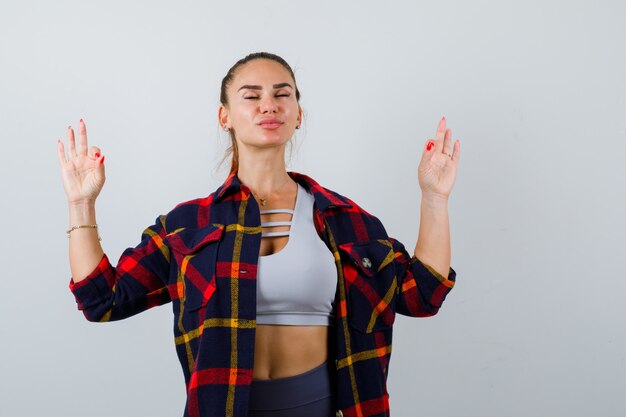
85 250
433 241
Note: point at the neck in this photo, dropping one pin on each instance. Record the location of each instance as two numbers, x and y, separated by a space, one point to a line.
264 173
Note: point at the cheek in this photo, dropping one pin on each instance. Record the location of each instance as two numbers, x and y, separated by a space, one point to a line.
292 112
243 115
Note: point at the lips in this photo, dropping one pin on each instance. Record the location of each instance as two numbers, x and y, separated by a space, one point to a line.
270 123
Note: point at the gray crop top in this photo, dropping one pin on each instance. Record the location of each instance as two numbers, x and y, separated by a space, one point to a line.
297 284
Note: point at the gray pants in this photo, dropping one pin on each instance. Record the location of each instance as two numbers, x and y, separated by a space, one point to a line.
309 394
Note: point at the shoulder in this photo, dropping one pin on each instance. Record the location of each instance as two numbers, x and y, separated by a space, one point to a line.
329 198
352 221
346 203
188 214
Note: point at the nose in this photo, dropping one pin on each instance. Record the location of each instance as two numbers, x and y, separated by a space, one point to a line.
268 105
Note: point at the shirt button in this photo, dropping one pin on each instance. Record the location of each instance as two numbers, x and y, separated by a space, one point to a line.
366 262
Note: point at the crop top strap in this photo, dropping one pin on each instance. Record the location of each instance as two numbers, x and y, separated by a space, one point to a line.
279 223
278 210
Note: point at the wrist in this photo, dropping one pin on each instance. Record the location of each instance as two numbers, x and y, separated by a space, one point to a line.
82 212
435 201
85 202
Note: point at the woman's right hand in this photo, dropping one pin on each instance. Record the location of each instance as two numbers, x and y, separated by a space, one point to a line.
83 169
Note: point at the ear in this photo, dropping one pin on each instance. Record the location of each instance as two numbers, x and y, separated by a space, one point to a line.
222 116
299 114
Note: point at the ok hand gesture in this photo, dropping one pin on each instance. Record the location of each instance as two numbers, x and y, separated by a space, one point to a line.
437 169
83 170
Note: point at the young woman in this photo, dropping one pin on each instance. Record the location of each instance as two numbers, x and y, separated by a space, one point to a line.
284 292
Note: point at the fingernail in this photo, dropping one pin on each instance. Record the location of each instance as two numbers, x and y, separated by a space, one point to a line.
443 118
69 126
429 146
81 120
97 155
102 160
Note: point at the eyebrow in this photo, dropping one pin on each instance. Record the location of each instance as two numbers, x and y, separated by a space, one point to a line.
258 87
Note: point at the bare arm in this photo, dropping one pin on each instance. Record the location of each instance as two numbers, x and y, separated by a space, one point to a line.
82 172
437 173
433 242
85 249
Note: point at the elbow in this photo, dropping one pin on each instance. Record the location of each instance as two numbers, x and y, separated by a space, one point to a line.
97 313
90 317
415 302
412 305
427 310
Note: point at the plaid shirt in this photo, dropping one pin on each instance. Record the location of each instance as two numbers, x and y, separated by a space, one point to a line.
202 256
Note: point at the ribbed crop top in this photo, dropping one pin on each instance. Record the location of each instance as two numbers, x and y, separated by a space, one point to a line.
297 284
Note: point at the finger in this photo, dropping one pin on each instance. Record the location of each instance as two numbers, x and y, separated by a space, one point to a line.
61 152
82 138
457 151
447 139
439 135
71 143
429 149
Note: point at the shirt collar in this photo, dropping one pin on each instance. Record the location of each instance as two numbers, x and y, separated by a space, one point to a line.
324 198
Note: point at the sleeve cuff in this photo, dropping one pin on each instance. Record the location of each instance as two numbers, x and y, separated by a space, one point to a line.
422 267
93 288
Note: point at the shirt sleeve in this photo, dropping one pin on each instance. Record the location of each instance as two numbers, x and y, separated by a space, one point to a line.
421 289
138 281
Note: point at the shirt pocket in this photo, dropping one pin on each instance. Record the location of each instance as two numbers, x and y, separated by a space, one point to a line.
371 284
195 251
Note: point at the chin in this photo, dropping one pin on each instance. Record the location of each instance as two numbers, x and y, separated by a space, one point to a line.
275 138
266 137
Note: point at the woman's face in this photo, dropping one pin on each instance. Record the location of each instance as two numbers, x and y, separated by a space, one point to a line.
262 106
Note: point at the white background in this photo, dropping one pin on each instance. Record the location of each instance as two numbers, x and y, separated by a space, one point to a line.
535 91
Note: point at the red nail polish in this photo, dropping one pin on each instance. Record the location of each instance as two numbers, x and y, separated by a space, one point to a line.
97 155
102 160
81 120
429 146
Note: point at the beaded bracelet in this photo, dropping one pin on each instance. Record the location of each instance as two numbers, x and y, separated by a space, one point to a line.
95 226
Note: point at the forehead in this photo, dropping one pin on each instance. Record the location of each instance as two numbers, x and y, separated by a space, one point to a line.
263 72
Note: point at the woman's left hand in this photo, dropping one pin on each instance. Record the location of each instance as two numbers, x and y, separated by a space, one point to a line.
437 169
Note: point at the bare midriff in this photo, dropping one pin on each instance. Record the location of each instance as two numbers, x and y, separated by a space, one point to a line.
285 350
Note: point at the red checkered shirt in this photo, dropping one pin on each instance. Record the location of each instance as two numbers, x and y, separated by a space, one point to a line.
202 256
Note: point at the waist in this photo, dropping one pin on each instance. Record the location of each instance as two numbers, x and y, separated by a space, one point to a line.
294 391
